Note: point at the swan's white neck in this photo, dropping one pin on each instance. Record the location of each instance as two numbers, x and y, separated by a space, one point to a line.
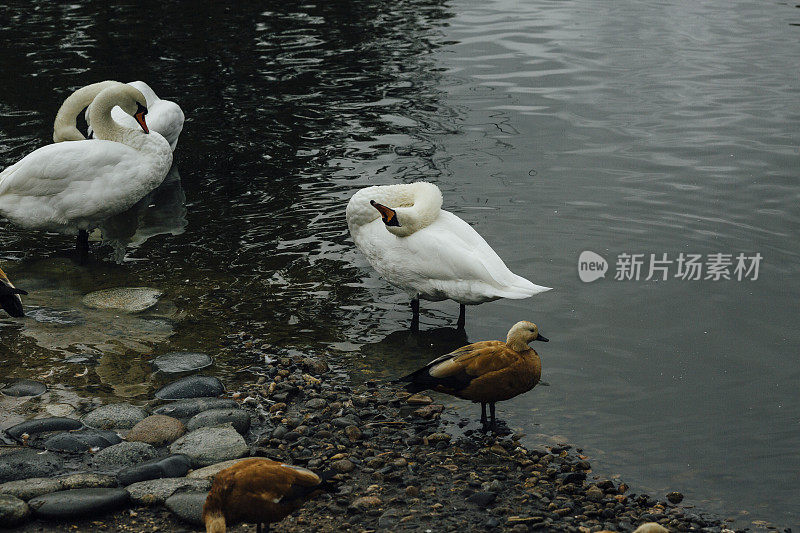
417 205
64 125
103 125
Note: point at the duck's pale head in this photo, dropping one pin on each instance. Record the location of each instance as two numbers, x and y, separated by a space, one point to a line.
524 332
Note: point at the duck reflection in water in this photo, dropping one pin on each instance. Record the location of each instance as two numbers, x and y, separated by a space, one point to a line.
162 212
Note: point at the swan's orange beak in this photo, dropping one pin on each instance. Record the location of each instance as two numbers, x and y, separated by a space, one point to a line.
388 214
139 116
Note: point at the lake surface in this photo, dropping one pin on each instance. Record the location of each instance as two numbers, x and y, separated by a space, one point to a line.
552 127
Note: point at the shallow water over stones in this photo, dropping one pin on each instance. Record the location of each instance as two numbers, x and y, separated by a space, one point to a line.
24 387
191 387
177 362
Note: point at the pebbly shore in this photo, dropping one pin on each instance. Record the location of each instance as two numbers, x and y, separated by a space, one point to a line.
403 463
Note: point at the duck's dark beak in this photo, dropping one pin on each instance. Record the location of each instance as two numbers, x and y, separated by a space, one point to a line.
141 111
542 338
388 214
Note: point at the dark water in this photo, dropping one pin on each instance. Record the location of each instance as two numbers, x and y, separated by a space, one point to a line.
552 127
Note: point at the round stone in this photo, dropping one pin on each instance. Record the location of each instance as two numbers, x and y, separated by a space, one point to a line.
189 408
209 445
78 502
25 489
191 387
238 418
210 471
81 441
86 480
157 430
176 362
127 299
123 455
172 466
188 506
156 491
115 416
13 511
18 462
43 425
24 387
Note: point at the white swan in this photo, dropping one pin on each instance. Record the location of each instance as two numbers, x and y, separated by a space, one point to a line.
163 116
428 252
71 187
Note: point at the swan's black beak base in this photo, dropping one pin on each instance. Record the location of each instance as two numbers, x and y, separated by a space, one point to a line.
141 111
388 215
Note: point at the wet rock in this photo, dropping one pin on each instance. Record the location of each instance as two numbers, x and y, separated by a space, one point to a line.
594 494
482 499
206 446
188 506
176 362
115 416
126 299
81 441
190 407
25 489
419 399
124 454
316 404
157 430
78 503
208 472
238 418
172 466
17 462
343 466
156 491
13 511
24 387
315 365
572 477
191 387
353 433
365 503
43 425
59 409
86 480
675 497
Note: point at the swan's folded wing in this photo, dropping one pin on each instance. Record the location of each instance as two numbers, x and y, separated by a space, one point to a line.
55 168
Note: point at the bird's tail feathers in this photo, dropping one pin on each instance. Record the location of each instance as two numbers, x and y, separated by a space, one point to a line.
215 521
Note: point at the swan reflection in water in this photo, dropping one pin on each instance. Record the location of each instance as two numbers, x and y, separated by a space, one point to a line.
404 350
161 212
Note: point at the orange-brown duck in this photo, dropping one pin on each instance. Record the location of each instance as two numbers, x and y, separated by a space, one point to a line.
9 296
261 491
485 372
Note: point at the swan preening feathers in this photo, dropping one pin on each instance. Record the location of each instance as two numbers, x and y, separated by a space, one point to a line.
485 372
73 186
428 252
163 116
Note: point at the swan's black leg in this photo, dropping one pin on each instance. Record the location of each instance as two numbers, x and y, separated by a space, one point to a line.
483 415
83 246
461 317
258 527
415 315
493 422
